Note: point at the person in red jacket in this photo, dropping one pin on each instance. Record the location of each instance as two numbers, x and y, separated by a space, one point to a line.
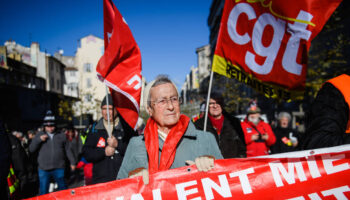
258 134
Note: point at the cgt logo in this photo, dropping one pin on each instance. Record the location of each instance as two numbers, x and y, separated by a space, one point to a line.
296 29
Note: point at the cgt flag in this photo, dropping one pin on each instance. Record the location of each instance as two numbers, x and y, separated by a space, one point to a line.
264 43
120 66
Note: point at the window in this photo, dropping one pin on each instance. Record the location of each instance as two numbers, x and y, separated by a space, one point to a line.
88 97
73 86
87 67
58 84
72 73
52 83
88 83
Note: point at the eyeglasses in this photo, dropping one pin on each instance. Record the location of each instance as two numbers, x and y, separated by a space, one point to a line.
165 101
212 104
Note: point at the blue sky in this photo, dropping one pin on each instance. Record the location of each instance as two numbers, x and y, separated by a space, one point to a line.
167 31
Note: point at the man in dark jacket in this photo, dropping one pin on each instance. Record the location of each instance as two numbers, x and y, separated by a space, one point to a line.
20 164
52 150
105 146
5 160
226 129
328 120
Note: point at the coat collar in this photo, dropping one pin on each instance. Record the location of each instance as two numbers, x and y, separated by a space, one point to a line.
100 126
191 130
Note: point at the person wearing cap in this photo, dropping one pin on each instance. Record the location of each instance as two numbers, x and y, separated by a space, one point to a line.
53 150
170 140
225 128
106 143
258 134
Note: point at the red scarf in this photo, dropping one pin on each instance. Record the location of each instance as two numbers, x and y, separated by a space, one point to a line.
169 147
217 123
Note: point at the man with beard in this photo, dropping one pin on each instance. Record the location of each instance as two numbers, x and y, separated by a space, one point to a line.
258 134
106 143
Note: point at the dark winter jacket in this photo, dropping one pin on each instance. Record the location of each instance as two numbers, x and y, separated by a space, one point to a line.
282 136
326 120
231 139
20 161
105 168
5 157
52 153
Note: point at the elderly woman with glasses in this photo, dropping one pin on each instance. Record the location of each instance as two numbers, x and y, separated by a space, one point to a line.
170 140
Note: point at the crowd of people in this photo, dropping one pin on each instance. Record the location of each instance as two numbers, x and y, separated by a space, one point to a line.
109 149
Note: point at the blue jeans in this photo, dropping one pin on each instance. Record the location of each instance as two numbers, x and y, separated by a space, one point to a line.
45 177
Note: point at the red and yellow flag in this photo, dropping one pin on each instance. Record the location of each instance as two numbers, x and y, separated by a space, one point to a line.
264 43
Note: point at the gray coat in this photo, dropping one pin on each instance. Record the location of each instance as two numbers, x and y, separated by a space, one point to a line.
52 152
194 143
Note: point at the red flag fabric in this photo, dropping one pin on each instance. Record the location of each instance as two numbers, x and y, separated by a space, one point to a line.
264 44
120 66
108 20
313 174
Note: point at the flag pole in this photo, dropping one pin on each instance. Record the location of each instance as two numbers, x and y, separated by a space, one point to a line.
108 121
208 98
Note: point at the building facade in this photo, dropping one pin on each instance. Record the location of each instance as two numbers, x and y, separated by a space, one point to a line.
204 62
55 76
91 90
70 87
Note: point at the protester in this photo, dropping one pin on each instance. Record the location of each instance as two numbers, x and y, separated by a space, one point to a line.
19 135
105 146
5 161
87 166
328 120
20 166
201 112
52 150
33 179
31 134
225 128
286 136
258 134
170 139
76 147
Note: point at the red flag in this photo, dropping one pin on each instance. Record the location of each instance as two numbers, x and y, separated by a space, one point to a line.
264 44
120 66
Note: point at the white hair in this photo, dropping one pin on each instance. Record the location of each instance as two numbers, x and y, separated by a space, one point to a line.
284 114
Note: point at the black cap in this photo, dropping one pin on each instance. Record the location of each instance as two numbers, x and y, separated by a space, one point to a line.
49 119
104 101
